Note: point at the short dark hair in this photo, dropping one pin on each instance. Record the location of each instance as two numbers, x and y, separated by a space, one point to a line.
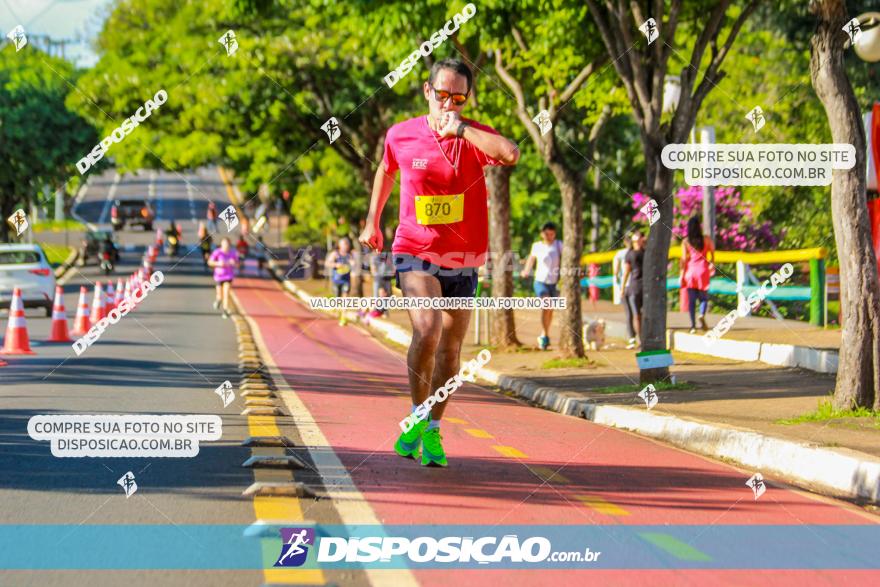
548 226
456 65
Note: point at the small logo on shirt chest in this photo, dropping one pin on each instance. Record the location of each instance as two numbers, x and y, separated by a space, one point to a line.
419 163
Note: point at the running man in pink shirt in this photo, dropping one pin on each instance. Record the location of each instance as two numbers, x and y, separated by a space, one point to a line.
443 233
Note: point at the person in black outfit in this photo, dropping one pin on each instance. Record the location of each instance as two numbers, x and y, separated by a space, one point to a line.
108 246
632 283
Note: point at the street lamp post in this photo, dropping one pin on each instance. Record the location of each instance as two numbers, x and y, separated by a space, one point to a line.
704 135
868 45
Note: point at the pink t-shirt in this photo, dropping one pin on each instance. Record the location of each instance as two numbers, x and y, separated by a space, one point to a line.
696 268
229 260
412 147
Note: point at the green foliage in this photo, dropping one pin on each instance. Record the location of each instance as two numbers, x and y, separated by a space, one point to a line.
40 139
826 412
299 62
56 254
659 386
572 363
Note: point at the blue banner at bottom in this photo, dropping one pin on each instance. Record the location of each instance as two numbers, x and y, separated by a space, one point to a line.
55 547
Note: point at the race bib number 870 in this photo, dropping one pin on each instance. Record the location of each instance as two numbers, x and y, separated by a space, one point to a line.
439 209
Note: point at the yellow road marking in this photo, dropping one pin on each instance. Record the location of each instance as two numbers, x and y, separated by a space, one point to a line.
263 426
271 547
509 451
455 420
601 505
477 433
549 475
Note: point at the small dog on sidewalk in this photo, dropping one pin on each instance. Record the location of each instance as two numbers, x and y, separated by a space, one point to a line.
594 335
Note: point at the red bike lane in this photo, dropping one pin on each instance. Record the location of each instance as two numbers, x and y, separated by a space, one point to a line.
513 464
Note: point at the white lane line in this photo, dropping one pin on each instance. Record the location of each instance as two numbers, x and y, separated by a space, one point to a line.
77 201
111 195
350 504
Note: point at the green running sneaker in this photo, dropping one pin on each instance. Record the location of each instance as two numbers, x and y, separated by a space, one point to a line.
408 443
432 449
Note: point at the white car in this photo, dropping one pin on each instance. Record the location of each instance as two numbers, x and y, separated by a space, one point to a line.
26 267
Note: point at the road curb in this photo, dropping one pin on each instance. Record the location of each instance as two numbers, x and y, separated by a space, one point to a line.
66 266
840 473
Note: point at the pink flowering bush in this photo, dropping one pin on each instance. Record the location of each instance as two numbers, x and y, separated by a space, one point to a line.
736 229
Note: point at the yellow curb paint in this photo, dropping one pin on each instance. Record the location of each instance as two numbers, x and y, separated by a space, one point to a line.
271 547
549 475
601 505
263 426
276 509
509 451
477 433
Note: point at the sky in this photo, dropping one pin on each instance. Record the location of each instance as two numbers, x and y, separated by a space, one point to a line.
78 21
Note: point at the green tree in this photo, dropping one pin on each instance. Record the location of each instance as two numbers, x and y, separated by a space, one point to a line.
40 139
642 67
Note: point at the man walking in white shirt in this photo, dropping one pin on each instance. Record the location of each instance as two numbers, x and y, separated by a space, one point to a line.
547 253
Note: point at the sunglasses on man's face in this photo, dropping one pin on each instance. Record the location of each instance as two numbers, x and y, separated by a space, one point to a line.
442 95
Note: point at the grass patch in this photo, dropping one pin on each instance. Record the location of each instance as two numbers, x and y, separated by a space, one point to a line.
826 412
662 386
572 363
56 254
59 226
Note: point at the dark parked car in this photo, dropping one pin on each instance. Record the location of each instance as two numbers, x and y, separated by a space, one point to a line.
132 211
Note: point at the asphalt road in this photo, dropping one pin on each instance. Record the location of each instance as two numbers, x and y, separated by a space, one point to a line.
165 357
662 516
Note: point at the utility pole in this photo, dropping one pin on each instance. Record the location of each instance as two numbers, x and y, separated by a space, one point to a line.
52 47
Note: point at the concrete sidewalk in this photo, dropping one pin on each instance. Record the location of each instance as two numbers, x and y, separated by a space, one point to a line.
731 410
784 343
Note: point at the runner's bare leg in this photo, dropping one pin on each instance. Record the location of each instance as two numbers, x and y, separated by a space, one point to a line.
427 326
448 356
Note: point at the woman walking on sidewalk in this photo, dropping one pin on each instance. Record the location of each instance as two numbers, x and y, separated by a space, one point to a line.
632 287
223 260
697 267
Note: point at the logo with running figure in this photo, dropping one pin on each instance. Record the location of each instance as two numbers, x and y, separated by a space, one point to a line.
18 221
295 546
756 117
229 42
128 484
331 127
854 29
649 29
543 121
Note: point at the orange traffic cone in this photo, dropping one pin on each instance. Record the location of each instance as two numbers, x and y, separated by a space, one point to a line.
118 297
108 301
81 323
16 341
59 318
98 307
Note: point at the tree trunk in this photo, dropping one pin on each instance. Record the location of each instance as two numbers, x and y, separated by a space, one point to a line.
655 264
503 334
571 343
857 372
7 207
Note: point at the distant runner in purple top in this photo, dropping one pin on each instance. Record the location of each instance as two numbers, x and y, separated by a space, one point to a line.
224 261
